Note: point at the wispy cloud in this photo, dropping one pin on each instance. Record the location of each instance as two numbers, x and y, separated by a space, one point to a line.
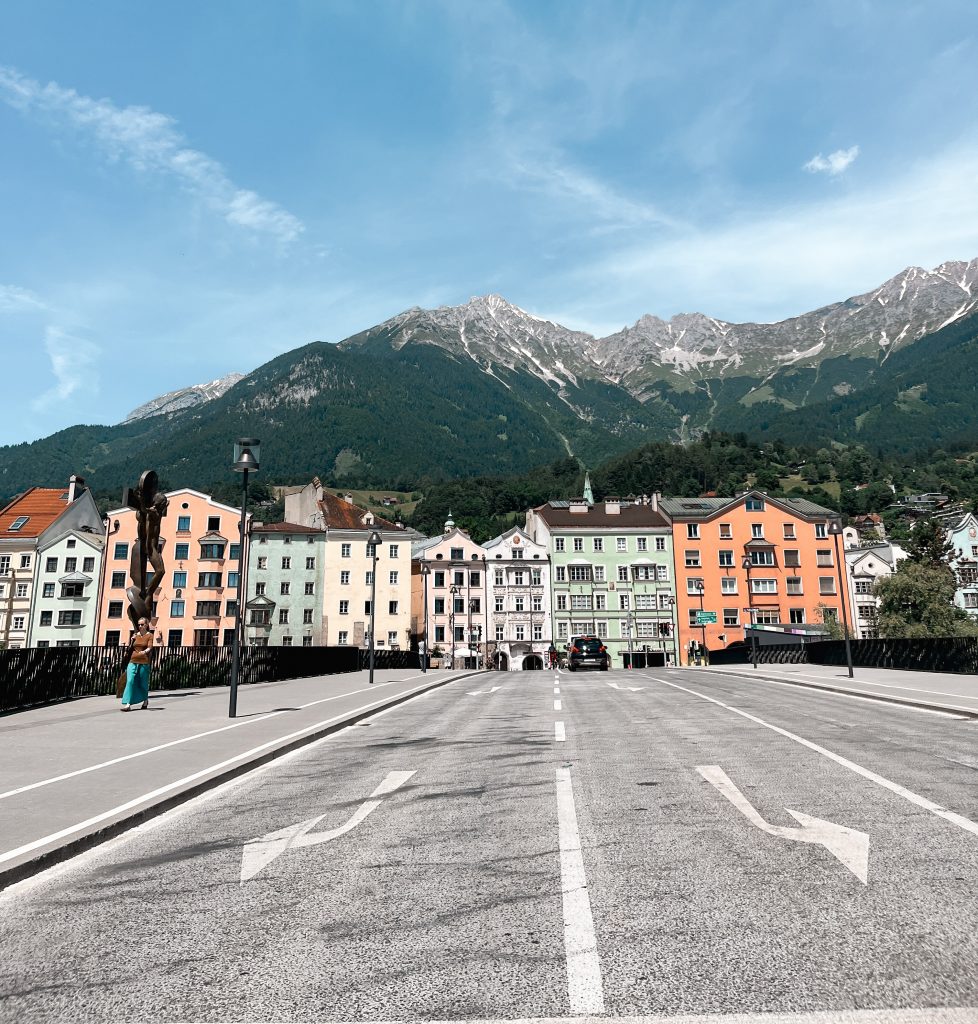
73 364
833 164
19 300
150 142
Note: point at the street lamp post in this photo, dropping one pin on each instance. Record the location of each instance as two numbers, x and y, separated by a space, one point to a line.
675 632
746 564
453 590
374 540
701 590
246 452
835 529
425 573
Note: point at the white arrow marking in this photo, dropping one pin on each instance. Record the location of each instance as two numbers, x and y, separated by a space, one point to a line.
634 689
475 693
845 844
260 852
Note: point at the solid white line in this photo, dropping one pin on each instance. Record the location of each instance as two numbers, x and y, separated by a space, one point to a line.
893 787
186 739
831 680
559 734
584 987
557 705
171 786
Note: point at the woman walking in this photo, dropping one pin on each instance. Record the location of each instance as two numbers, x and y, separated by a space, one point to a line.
137 673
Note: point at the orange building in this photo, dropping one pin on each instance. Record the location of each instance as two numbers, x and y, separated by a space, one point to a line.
791 577
195 603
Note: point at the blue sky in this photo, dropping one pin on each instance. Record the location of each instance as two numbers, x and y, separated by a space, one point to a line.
188 189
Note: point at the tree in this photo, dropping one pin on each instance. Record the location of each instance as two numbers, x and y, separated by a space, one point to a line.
928 545
918 601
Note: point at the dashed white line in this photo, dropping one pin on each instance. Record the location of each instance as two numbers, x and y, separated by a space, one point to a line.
557 705
584 988
559 734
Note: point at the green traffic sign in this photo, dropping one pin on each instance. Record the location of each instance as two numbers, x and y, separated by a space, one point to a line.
705 618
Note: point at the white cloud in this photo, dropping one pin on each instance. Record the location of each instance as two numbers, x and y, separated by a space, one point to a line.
18 300
151 143
833 164
73 364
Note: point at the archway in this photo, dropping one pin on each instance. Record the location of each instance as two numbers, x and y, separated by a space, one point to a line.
532 662
502 661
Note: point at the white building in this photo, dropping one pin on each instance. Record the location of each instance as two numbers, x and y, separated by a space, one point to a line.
64 612
864 566
519 601
963 536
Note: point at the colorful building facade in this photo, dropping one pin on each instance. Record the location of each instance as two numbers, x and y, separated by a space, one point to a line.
963 537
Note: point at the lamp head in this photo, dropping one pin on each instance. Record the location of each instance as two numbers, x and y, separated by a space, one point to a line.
375 538
425 570
246 454
745 564
835 527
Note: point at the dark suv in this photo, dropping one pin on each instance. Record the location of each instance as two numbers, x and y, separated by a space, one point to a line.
588 652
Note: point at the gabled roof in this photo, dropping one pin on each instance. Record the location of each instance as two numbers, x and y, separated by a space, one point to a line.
344 515
41 505
707 508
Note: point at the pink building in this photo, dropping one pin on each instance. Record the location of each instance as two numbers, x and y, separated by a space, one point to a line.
196 602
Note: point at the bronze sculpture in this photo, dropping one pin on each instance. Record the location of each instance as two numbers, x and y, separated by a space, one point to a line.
150 505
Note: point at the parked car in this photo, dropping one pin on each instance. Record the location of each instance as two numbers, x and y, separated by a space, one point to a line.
588 652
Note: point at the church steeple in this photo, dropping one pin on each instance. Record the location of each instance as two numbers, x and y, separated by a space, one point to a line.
588 493
449 523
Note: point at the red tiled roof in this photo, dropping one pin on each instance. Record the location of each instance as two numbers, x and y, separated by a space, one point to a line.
283 528
344 515
43 505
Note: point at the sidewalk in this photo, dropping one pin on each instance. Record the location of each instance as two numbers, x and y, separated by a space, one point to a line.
935 691
74 774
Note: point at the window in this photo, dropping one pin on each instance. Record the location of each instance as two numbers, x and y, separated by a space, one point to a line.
757 531
762 558
345 578
46 618
121 551
475 606
230 610
691 618
286 562
346 551
726 531
598 543
731 616
692 531
578 543
475 579
580 573
796 615
764 586
457 554
283 616
826 584
112 637
233 578
309 589
767 616
521 632
622 573
48 590
181 552
391 607
371 550
460 634
310 563
821 531
754 505
440 605
693 585
307 616
285 588
208 609
459 579
211 550
68 643
726 558
286 540
18 524
560 574
18 622
235 552
498 577
344 607
71 564
88 565
392 638
213 524
286 641
183 524
538 603
458 605
439 634
392 550
602 630
623 602
70 618
307 641
392 578
263 561
642 544
561 630
644 602
660 543
867 611
598 573
579 602
645 572
537 631
789 531
823 558
207 580
558 543
25 561
368 577
621 544
115 610
499 633
343 638
260 617
692 558
792 558
498 605
864 586
518 578
970 599
259 590
794 585
440 578
51 565
67 589
22 589
4 565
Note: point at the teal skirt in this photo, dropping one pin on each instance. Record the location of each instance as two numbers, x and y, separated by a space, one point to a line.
137 684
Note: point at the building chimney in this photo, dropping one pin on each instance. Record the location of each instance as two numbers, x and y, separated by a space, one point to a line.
612 506
76 484
656 497
578 505
348 498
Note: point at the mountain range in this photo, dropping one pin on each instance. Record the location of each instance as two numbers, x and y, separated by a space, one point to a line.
486 387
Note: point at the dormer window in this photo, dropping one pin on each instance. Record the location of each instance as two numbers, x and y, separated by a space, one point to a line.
18 524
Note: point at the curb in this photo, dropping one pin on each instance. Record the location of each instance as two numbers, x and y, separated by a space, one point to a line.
948 709
73 847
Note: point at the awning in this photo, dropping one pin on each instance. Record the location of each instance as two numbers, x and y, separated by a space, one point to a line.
464 652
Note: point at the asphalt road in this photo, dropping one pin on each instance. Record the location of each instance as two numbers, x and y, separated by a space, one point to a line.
454 858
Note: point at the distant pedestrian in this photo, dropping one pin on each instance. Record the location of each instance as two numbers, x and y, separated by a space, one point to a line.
552 655
137 673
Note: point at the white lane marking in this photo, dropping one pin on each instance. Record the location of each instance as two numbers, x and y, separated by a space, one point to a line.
476 693
848 845
893 787
831 680
171 786
260 852
584 988
634 689
557 705
187 739
559 734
